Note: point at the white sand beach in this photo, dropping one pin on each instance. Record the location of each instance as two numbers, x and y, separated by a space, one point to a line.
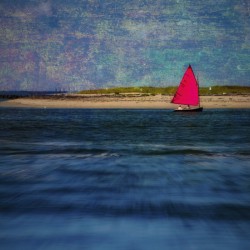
122 101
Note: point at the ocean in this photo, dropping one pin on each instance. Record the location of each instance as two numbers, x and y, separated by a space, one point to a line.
124 179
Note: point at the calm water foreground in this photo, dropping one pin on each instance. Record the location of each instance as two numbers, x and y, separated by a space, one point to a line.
124 179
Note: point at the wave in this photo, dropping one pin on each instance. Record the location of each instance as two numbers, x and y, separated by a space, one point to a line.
52 148
161 149
176 152
87 149
84 152
168 209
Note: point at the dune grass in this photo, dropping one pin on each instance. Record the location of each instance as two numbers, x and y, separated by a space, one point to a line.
214 90
225 90
122 90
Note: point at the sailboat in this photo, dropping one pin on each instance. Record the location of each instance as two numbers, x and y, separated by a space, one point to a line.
188 93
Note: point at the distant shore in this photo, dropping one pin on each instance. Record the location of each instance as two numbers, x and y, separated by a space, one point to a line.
129 101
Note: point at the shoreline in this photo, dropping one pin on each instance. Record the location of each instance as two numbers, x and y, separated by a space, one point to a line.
122 101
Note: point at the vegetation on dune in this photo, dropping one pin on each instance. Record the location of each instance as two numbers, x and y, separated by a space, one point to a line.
214 90
225 90
131 90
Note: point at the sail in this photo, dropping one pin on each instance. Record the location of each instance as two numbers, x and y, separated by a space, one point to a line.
188 90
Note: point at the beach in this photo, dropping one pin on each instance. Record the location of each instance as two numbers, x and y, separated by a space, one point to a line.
126 101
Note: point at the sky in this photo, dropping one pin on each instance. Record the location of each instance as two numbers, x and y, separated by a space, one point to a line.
88 44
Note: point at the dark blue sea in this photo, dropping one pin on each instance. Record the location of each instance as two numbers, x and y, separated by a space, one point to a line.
124 179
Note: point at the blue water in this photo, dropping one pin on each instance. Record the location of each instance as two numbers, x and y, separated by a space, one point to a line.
124 179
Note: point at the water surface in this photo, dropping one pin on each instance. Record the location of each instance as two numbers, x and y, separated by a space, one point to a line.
124 179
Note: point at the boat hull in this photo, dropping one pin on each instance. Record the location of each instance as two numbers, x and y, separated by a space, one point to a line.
199 109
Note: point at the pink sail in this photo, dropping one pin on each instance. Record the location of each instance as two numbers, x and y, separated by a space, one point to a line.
188 90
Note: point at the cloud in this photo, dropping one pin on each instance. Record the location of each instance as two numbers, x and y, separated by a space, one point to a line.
31 12
45 9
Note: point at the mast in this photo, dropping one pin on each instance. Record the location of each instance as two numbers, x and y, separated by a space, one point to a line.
197 79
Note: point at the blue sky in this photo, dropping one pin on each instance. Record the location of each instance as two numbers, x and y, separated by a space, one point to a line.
73 44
